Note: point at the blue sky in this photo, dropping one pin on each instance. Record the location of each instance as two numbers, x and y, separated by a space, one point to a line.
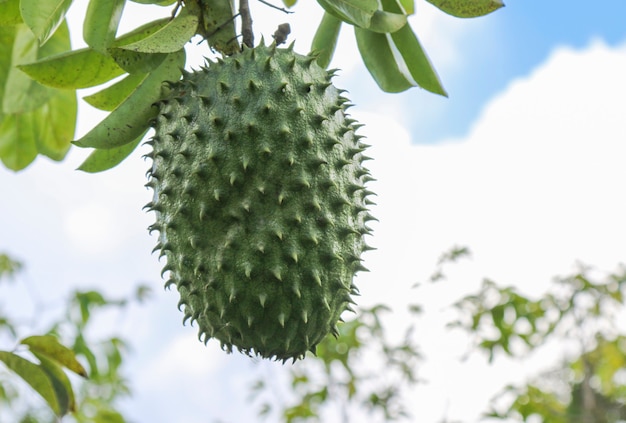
522 163
501 47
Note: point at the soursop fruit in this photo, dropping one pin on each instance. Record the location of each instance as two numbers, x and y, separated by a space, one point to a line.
260 199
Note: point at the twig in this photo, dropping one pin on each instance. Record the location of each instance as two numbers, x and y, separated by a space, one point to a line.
282 9
246 23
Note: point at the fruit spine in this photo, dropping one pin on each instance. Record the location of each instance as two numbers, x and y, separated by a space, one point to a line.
260 199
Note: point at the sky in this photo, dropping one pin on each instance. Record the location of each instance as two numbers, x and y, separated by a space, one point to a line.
522 163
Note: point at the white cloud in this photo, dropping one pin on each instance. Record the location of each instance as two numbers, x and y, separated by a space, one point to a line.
535 186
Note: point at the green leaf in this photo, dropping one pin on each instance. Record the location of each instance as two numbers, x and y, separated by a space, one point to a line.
355 12
135 62
387 22
407 6
22 94
169 39
412 56
60 383
8 268
34 375
141 32
50 347
74 69
415 59
108 416
325 40
380 61
104 159
17 140
143 292
56 124
81 348
111 97
157 2
124 124
43 17
7 39
101 22
467 8
10 13
364 14
47 130
218 25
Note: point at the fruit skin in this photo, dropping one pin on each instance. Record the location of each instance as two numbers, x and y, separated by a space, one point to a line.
260 199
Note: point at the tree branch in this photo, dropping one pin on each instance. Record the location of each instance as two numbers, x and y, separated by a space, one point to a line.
246 23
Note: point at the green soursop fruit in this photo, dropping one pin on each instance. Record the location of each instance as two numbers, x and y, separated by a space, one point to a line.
260 200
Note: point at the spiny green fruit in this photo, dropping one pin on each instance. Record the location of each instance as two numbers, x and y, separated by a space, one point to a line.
260 200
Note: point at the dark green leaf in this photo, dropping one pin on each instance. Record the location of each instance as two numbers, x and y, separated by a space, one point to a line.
380 61
169 39
467 8
135 62
34 375
131 118
325 40
218 26
101 22
81 348
60 382
10 13
101 160
49 346
111 97
43 17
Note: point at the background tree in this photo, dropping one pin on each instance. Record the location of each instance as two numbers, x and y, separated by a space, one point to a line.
42 362
581 314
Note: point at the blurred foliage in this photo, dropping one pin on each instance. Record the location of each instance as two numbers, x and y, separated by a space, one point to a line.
359 369
361 372
8 266
581 312
40 362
